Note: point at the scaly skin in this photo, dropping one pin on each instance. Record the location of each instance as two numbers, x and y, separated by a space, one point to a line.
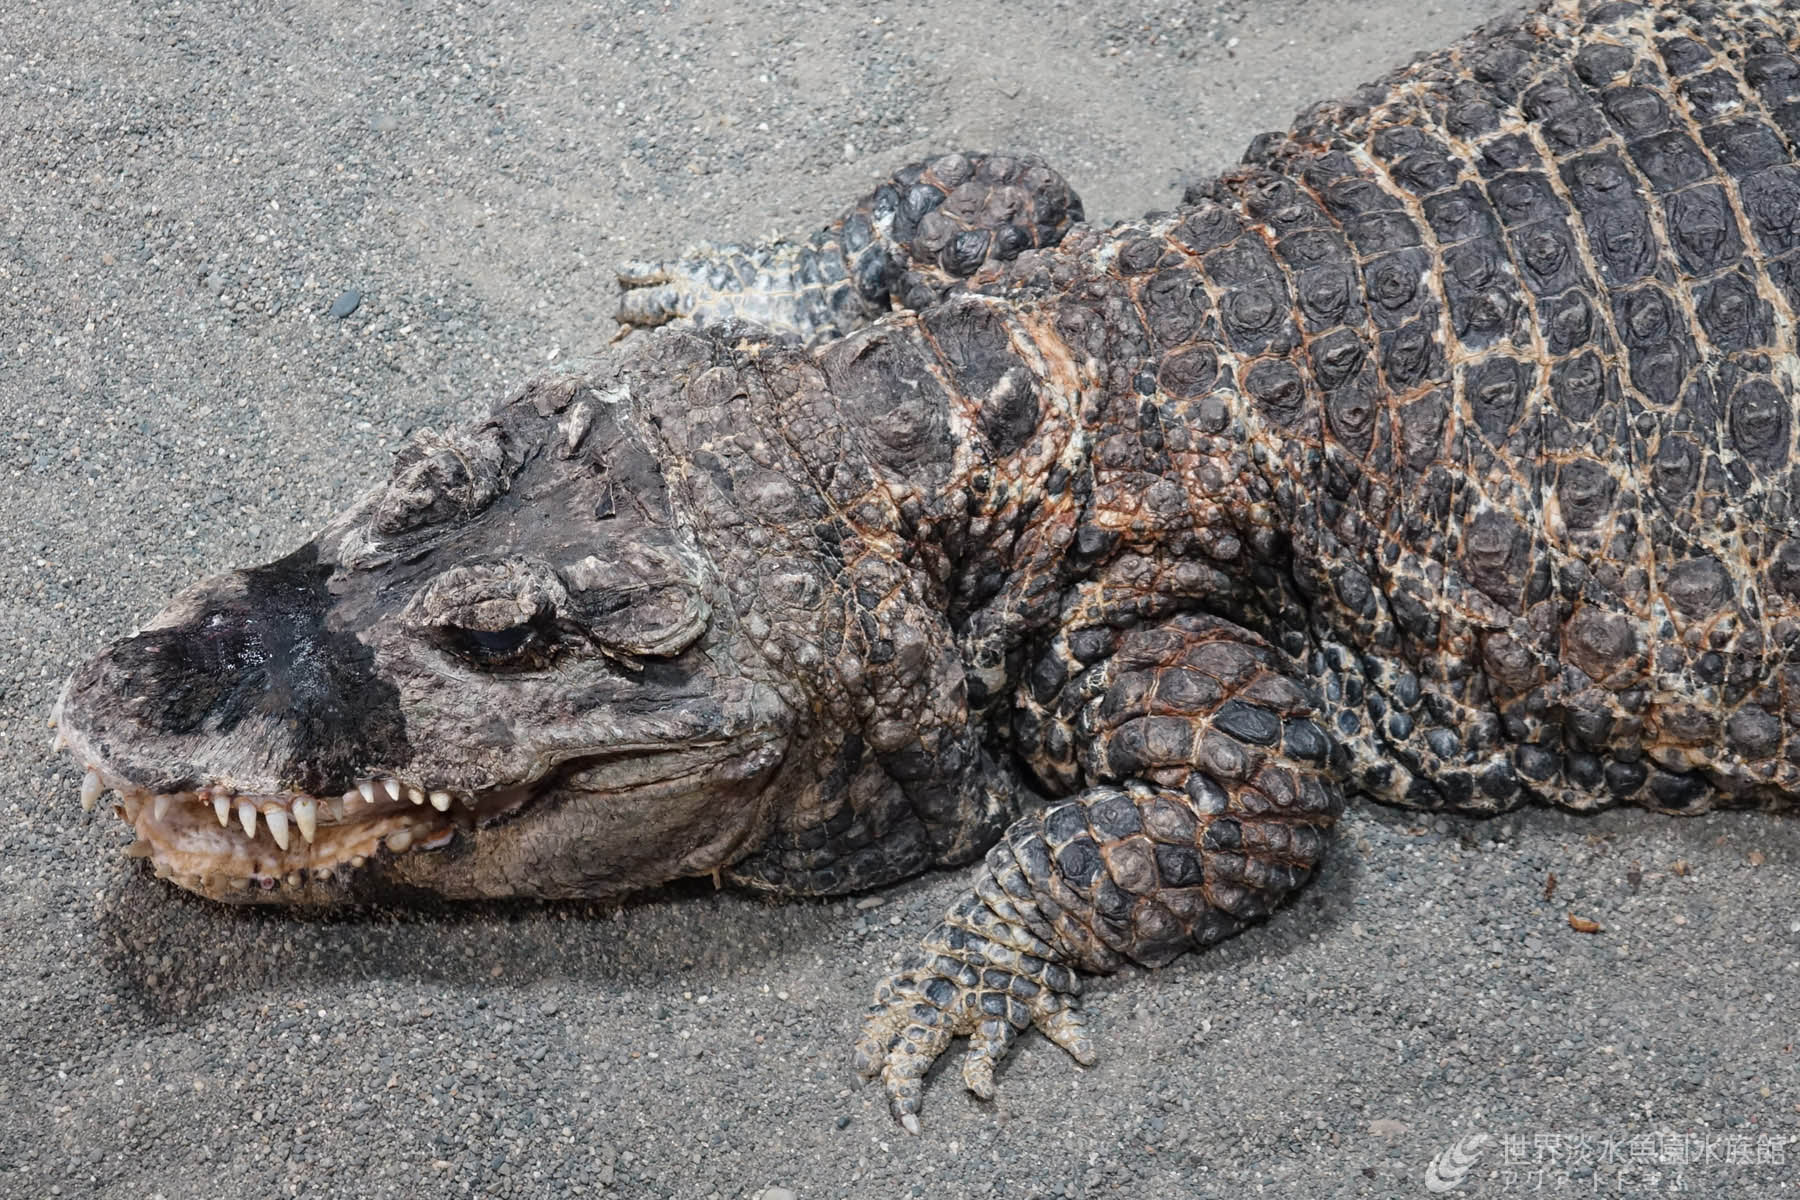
1442 455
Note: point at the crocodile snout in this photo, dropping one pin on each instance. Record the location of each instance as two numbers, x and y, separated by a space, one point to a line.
239 670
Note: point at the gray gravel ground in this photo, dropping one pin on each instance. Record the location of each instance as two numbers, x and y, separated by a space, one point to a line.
186 189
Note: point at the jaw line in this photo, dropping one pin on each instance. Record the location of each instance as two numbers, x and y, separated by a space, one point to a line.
187 844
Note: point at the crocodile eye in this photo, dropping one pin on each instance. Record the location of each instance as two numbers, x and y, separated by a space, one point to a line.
495 616
516 645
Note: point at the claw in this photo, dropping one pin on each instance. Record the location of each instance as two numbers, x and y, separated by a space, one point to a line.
649 307
865 1059
1064 1027
637 272
987 1046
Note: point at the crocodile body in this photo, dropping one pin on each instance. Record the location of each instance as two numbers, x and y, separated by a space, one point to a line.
1441 454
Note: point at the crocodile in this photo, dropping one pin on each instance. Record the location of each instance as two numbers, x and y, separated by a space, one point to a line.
1438 454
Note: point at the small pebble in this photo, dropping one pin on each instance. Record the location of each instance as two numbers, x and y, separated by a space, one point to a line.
348 301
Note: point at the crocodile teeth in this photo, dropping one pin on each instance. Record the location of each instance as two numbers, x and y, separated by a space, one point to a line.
393 788
440 801
358 860
306 816
278 826
91 788
366 790
415 795
222 808
59 743
400 840
247 818
160 808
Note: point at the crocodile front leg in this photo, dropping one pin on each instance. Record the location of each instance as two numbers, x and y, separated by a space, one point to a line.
914 238
1209 793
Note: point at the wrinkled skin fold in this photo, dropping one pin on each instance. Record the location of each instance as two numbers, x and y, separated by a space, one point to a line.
1443 454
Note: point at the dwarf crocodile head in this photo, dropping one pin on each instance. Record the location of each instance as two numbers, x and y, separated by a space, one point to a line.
515 654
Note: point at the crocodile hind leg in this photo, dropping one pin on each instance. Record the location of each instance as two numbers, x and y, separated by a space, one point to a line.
1206 795
915 237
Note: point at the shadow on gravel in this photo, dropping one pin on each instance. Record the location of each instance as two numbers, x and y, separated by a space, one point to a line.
175 956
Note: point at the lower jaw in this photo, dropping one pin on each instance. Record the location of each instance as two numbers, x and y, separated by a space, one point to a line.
225 846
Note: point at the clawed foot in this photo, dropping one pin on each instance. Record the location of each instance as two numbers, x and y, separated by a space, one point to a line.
926 230
654 293
781 290
963 983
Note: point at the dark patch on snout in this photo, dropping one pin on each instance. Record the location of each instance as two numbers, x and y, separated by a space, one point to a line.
260 665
